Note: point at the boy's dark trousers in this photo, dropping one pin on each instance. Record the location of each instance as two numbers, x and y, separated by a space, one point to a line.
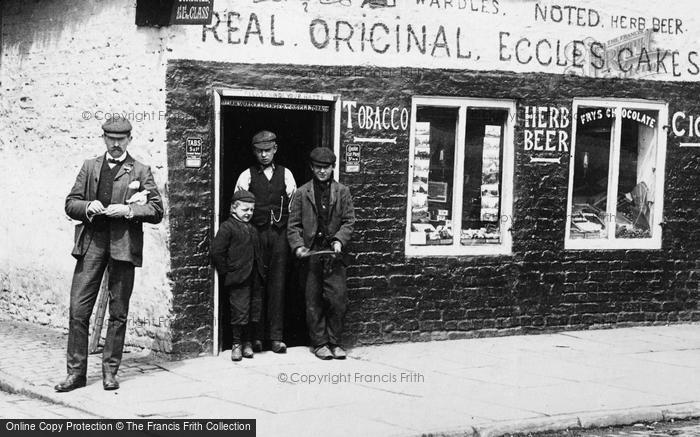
326 299
245 300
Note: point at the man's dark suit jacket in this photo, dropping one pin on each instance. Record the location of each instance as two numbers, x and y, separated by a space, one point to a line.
303 219
126 235
236 250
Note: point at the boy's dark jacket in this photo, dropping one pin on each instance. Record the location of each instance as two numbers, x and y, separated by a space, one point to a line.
236 250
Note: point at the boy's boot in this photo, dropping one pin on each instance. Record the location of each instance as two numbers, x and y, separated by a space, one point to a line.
237 347
256 335
247 345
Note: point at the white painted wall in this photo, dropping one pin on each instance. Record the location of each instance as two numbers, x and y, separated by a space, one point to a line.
64 65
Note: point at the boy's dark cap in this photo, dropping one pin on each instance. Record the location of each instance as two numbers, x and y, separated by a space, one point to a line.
117 127
322 155
264 140
243 196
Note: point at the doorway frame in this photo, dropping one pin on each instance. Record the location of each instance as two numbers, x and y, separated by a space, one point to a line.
220 93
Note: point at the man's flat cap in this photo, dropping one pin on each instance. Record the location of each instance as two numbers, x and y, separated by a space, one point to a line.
117 127
243 196
322 155
264 140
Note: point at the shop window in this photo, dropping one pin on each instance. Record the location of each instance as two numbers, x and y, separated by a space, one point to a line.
461 173
616 175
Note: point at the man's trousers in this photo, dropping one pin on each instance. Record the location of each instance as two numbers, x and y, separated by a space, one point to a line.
326 299
84 289
275 248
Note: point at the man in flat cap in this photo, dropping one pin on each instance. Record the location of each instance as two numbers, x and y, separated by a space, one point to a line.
322 218
237 256
273 186
112 195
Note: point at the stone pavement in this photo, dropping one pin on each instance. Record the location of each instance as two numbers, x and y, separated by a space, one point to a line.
19 406
484 386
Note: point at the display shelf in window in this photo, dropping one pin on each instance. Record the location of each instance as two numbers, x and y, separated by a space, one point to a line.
615 190
464 142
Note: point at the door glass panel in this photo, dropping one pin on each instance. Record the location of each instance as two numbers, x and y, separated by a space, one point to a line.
433 174
483 154
589 215
635 190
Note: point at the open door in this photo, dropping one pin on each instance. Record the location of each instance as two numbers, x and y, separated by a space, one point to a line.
300 125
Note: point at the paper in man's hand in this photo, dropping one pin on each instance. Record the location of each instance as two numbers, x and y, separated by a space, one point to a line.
139 198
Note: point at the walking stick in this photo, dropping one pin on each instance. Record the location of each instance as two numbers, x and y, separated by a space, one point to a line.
102 299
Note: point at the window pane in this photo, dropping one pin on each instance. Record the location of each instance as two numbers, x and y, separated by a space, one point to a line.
635 190
483 154
589 215
433 173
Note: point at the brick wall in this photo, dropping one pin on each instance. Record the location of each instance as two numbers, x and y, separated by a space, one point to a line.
539 287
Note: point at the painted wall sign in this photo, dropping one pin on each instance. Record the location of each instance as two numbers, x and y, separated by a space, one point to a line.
352 158
641 39
193 153
686 125
376 117
683 125
547 129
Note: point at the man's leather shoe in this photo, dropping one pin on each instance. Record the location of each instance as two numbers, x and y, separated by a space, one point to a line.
236 354
322 352
278 347
109 381
338 352
248 350
71 383
257 346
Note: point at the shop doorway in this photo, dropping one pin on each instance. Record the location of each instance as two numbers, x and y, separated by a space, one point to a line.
301 122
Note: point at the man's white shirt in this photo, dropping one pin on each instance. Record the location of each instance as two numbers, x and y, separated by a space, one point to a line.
243 182
120 158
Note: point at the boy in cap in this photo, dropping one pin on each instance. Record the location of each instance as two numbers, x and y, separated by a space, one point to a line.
112 196
322 217
237 257
273 186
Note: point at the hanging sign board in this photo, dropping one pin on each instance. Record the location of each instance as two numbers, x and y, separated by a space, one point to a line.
192 12
159 13
193 153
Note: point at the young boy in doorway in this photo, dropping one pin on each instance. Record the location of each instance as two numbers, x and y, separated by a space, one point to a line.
238 258
322 218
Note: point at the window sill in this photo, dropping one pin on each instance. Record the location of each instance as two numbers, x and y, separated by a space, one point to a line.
442 251
619 244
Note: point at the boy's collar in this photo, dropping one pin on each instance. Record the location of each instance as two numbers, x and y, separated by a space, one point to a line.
261 167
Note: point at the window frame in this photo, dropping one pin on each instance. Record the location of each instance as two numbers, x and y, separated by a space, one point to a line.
507 165
611 242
